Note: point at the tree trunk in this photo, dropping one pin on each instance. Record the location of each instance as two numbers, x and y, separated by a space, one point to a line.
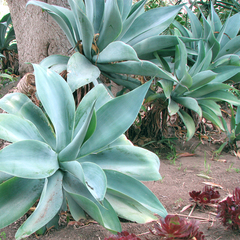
37 34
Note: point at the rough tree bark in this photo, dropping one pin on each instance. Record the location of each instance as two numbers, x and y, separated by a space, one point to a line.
37 35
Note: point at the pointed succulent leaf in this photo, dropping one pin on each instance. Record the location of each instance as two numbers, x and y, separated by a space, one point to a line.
172 107
206 89
188 122
134 189
215 19
99 94
76 211
222 95
20 194
134 161
109 115
225 73
85 29
144 68
228 59
237 117
128 208
20 105
4 177
202 78
196 25
167 87
97 12
127 4
81 71
49 205
139 7
28 159
103 213
231 47
231 29
180 60
212 43
150 24
156 43
53 60
184 85
189 103
211 105
75 168
112 25
14 128
232 121
211 116
51 88
95 180
62 16
115 52
71 151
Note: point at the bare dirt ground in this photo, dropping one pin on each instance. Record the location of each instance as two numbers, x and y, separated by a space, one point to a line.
178 179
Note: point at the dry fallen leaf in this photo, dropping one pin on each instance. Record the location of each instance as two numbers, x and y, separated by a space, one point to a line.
203 176
213 184
186 154
186 207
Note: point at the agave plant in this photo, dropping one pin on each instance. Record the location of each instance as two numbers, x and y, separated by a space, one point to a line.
79 157
111 35
7 40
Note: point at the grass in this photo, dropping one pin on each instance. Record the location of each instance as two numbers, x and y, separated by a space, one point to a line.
3 236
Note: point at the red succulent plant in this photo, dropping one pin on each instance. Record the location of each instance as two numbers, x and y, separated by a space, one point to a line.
206 196
175 227
229 210
123 236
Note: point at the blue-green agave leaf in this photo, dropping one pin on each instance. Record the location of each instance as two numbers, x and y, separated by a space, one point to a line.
231 29
150 23
115 52
49 205
211 116
196 25
76 211
131 18
20 194
144 68
95 180
215 19
188 122
53 60
134 161
225 73
119 110
134 189
222 95
129 208
211 105
207 89
71 151
28 159
189 103
103 213
127 4
202 78
51 88
85 29
167 87
112 25
231 47
81 71
62 16
4 177
14 128
20 105
172 107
